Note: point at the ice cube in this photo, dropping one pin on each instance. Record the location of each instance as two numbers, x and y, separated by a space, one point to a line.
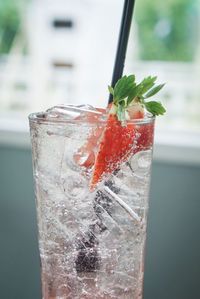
62 112
140 163
74 185
71 112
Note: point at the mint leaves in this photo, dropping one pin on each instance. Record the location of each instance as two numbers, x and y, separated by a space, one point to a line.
153 91
127 91
124 87
155 108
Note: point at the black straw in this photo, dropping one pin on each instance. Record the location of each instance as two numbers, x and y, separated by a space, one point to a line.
122 42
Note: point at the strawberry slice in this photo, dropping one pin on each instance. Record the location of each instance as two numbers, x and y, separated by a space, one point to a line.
116 146
135 111
85 156
145 137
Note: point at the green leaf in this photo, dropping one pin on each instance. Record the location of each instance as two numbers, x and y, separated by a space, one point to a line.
133 94
111 90
156 108
123 87
146 84
153 91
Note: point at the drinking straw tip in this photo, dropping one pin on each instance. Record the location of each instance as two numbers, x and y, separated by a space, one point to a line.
122 42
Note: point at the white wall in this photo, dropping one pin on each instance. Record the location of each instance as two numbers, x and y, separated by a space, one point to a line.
90 46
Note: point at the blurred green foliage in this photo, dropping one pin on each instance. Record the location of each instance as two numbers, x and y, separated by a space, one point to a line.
9 24
167 30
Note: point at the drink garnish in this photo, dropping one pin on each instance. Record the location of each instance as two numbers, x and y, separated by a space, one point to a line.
126 94
121 137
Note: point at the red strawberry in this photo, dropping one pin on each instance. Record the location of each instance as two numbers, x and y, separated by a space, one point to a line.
136 111
145 137
85 155
116 146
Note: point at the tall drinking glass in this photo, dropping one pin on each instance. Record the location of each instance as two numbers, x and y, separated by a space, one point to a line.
91 240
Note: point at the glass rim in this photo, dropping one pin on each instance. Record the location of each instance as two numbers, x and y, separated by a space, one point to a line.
40 118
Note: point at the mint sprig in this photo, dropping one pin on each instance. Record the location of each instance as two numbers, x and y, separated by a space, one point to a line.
126 91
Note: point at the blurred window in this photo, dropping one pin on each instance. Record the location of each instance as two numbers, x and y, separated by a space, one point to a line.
168 46
54 52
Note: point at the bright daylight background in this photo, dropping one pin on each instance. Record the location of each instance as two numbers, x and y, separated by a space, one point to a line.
63 51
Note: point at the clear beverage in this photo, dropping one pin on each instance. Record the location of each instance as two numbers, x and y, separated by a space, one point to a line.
91 241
